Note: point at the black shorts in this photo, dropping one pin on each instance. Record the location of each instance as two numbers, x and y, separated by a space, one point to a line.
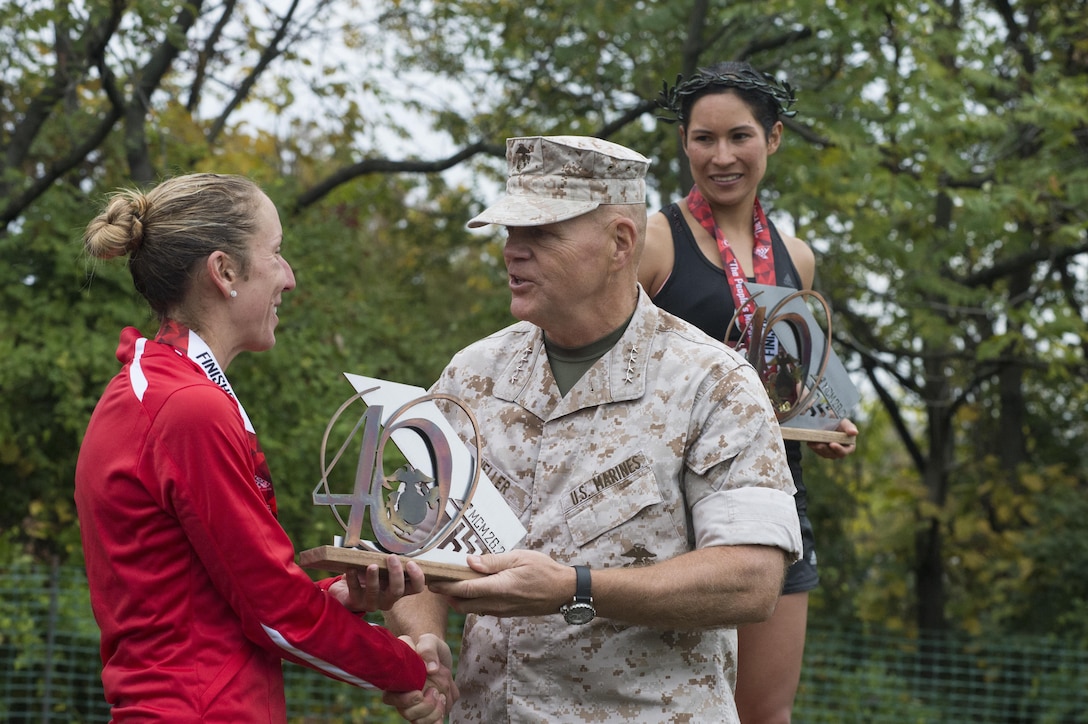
802 575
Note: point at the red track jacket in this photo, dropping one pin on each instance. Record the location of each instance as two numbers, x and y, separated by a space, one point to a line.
193 581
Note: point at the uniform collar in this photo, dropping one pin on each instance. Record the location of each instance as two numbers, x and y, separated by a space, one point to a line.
618 376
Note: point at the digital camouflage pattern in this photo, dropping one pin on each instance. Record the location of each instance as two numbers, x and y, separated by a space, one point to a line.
554 178
668 443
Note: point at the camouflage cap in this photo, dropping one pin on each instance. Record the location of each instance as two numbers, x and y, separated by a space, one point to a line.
554 178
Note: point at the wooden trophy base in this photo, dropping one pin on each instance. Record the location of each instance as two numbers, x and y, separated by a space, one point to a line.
339 560
806 435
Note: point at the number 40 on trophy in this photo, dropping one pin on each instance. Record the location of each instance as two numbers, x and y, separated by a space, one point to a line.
437 505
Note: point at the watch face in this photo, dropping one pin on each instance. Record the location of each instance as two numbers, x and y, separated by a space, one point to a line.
579 613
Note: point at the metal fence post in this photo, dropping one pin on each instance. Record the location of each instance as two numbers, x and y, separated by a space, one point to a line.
50 638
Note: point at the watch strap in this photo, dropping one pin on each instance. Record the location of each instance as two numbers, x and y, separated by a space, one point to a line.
580 611
583 585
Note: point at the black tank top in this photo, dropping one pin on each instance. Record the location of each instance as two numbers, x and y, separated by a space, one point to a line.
698 292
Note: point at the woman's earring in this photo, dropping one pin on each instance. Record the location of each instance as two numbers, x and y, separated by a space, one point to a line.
233 293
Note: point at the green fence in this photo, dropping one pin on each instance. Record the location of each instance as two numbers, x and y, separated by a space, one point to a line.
49 671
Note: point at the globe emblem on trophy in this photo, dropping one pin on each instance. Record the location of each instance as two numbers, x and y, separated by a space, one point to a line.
407 510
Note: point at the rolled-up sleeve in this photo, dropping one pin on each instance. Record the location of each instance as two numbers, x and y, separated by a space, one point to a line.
738 479
748 516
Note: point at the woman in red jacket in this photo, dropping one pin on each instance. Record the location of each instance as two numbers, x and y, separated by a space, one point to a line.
193 581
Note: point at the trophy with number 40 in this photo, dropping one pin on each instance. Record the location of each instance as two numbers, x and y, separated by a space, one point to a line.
436 508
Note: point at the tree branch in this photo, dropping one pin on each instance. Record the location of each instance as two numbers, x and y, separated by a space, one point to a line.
759 45
93 41
385 165
892 407
644 106
270 53
17 203
1015 263
206 54
146 81
807 133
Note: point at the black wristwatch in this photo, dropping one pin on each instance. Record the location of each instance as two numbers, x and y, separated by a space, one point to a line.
580 610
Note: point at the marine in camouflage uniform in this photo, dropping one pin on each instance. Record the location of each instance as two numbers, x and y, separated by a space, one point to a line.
667 444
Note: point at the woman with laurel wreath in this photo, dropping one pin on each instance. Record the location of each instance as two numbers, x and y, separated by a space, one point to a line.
699 255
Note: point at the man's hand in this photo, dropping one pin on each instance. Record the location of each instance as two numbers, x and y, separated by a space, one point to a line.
434 702
362 590
520 583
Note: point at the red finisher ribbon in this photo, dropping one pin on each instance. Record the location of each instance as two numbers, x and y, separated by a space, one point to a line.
189 343
762 252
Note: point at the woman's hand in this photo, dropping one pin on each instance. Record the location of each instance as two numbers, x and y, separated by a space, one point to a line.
837 450
433 703
362 590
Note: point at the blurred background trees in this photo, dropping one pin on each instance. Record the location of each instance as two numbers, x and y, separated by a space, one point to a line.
938 166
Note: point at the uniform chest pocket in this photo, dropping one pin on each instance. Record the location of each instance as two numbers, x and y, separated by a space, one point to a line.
611 499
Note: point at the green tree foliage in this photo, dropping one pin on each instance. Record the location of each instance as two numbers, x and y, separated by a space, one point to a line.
955 256
390 282
937 167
